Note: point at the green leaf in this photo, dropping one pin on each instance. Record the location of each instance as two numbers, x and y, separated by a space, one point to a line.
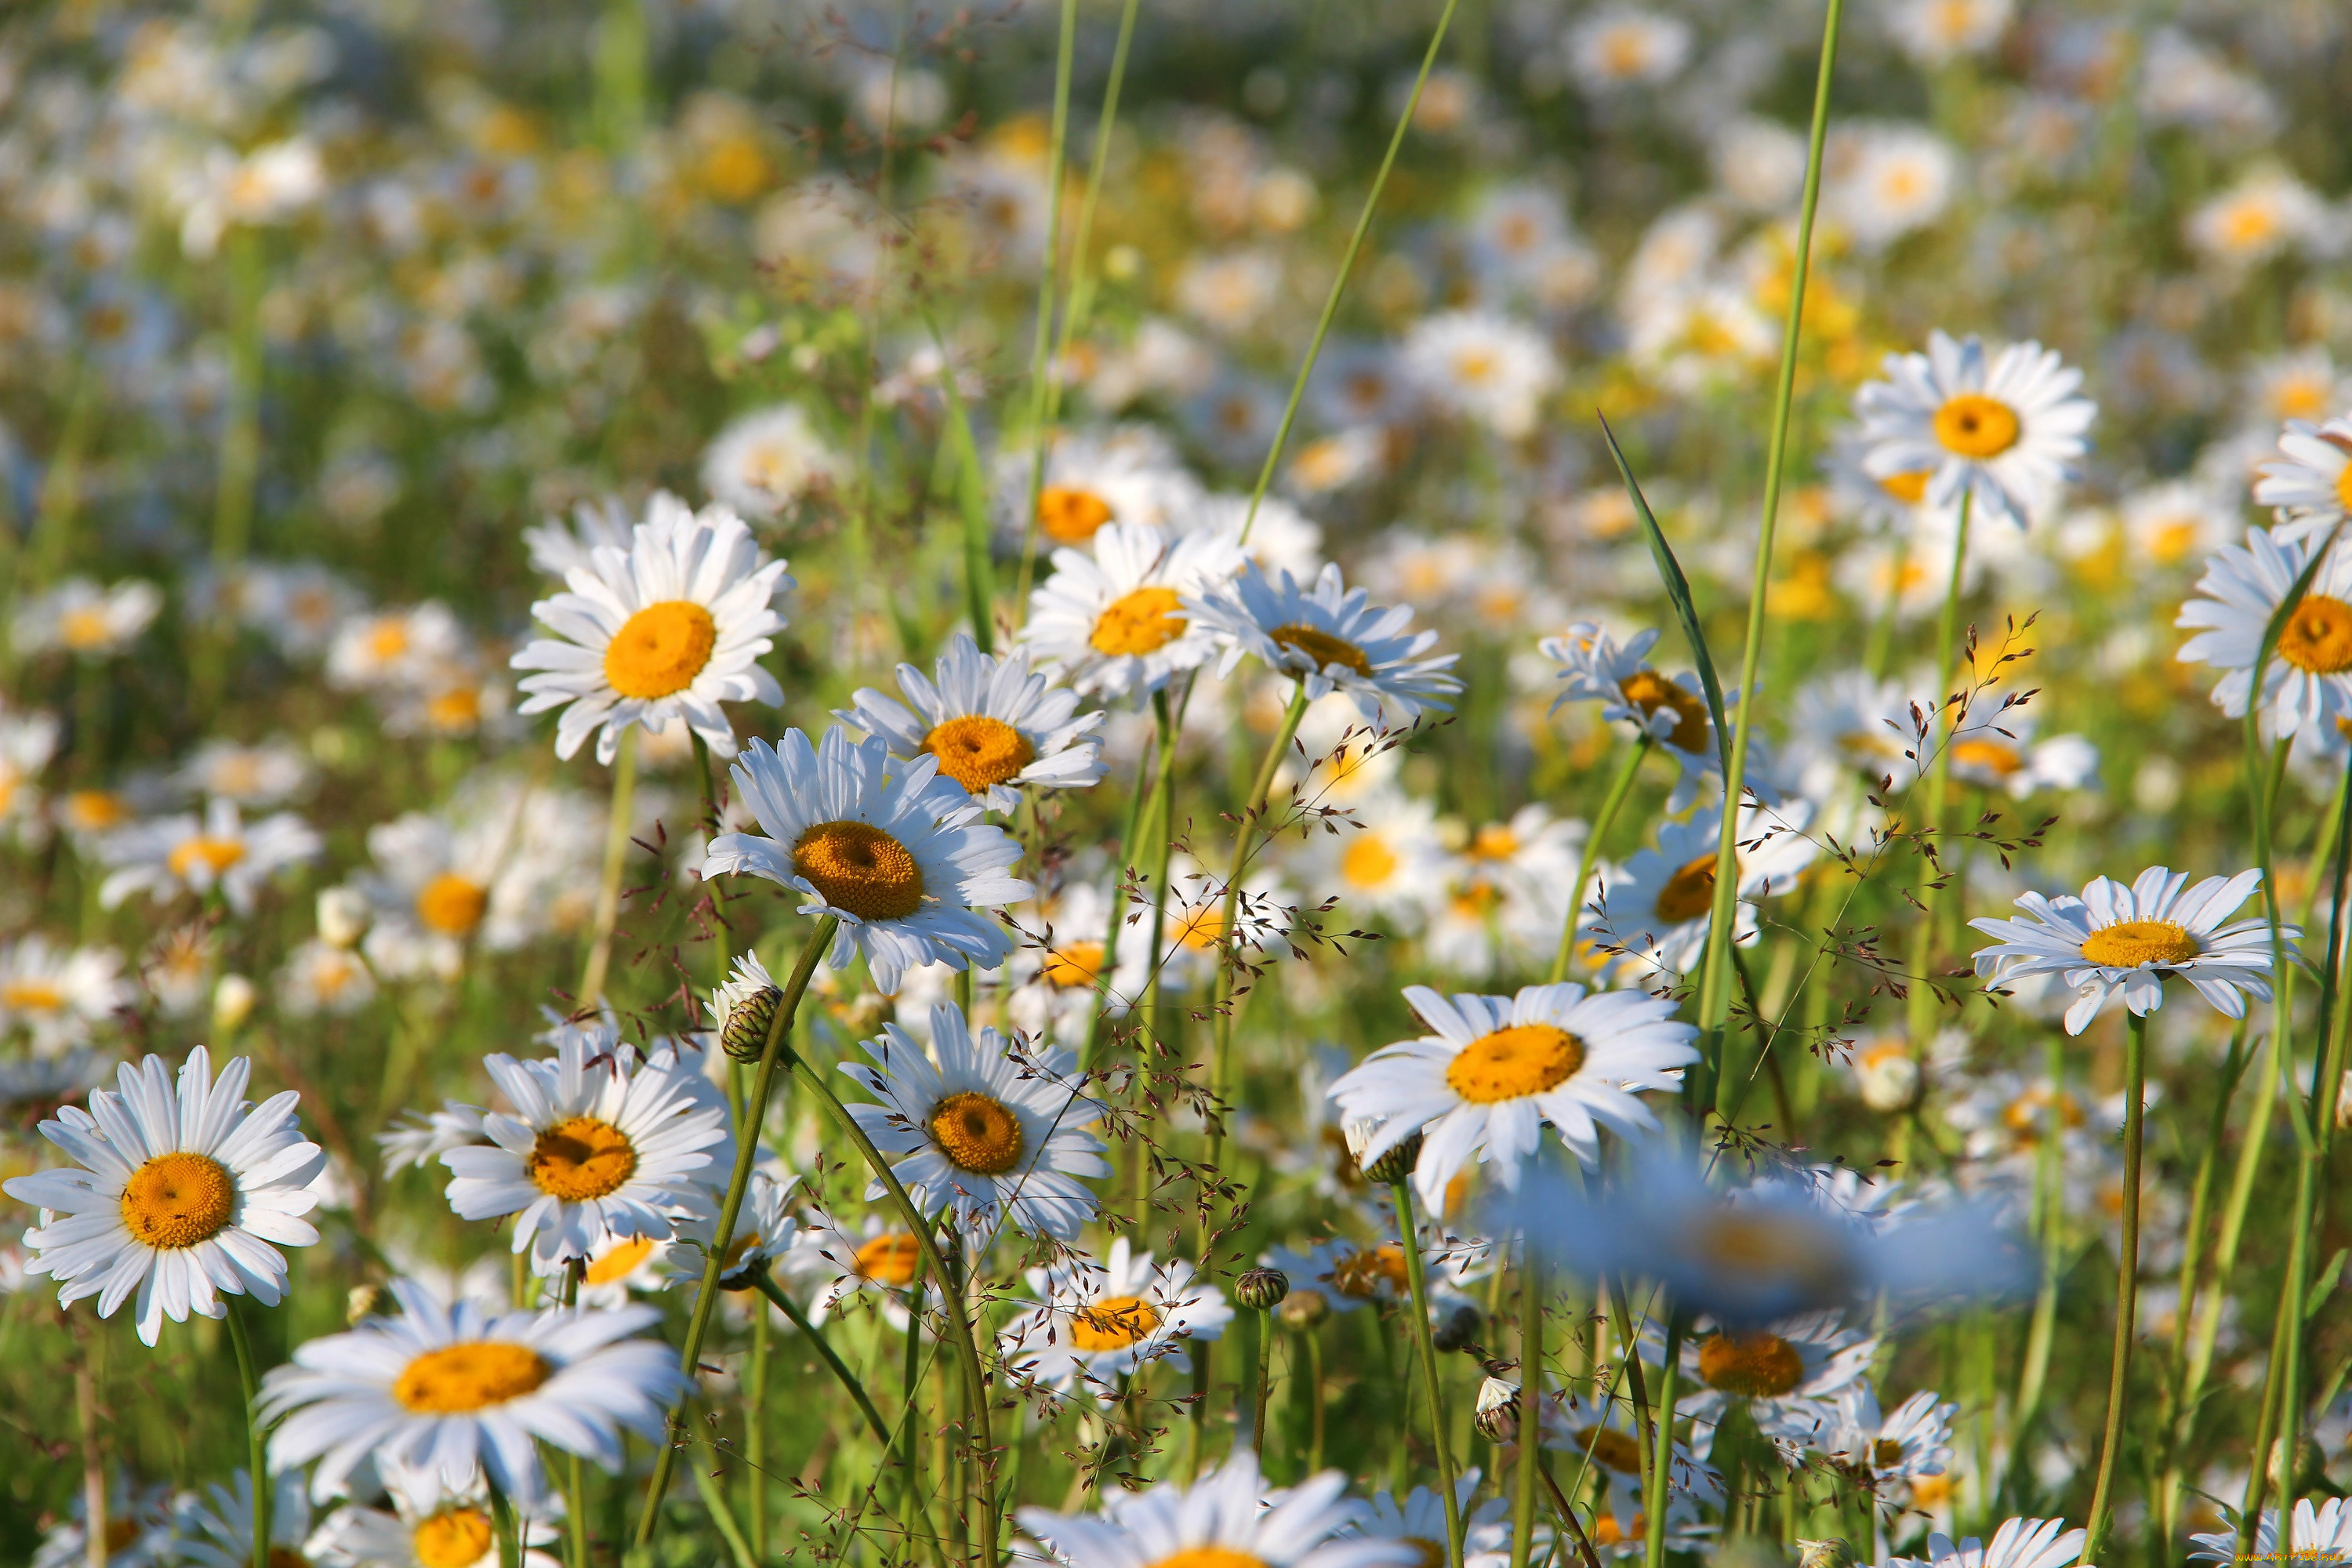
1670 572
2325 1286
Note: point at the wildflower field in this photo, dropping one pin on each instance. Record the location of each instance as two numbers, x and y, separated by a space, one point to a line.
1166 784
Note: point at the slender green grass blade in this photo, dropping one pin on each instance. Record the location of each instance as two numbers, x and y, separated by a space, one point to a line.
1670 572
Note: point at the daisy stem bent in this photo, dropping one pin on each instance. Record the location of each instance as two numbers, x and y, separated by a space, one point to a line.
2127 1283
747 1152
1417 1285
1933 878
1715 991
1619 788
248 1377
608 890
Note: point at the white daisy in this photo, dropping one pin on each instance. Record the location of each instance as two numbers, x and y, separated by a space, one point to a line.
1652 912
1345 1275
1851 724
1231 1518
220 1524
1115 621
142 1529
1325 635
666 631
2322 1534
1999 751
80 617
1887 1448
1494 1069
896 854
765 1233
1387 859
2310 482
180 1195
2130 939
602 1143
2018 1543
1056 973
1595 668
57 994
1128 474
1623 46
1884 178
453 1390
28 742
1480 366
990 724
1789 1375
1194 940
2307 683
1100 1323
1281 537
2007 433
166 857
389 649
764 464
993 1132
557 546
419 1138
832 1263
444 882
1419 1523
429 1526
2179 519
320 977
1933 31
635 1264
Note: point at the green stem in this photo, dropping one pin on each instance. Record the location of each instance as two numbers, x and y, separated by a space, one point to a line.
1117 919
1048 290
747 1152
1417 1285
1163 808
248 1378
1714 992
1921 1004
755 1436
1265 1383
766 1284
2126 1284
1589 856
1531 1372
575 1479
2193 1259
714 1502
61 499
608 890
1662 1463
502 1522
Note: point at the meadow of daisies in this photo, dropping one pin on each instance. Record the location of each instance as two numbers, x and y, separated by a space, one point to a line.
1163 783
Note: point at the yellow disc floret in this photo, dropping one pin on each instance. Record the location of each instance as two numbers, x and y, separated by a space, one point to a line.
977 1133
454 1537
452 904
470 1375
1975 426
1750 1366
2317 639
581 1157
1070 516
1321 648
1649 691
2130 944
1113 1323
857 867
178 1200
890 1257
1138 623
1513 1063
978 752
1689 893
659 650
216 855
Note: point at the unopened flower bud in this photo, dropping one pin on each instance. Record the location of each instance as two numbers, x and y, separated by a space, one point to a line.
1498 1418
1303 1310
233 999
1832 1553
1456 1329
1393 1164
1262 1290
361 1303
746 1006
343 916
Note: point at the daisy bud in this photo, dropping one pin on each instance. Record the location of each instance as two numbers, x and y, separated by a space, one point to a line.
1830 1553
343 916
1391 1166
1262 1290
1498 1418
1458 1328
233 999
1303 1310
744 1035
360 1303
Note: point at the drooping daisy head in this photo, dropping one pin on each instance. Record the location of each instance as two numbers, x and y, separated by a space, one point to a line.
1493 1070
2004 429
893 852
1230 1519
993 1129
988 722
1114 622
1325 635
182 1193
1594 667
663 631
2128 941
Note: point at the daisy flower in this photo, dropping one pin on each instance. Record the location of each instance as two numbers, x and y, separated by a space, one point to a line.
879 1259
2018 1543
57 994
1624 46
765 1233
2130 939
1853 724
895 852
1419 1523
764 463
1597 668
2322 1534
1999 753
220 1525
1101 1322
80 617
1885 1448
265 774
2178 520
2308 681
320 977
454 1391
1494 1069
1652 912
419 1138
635 1263
1193 936
180 1195
1789 1375
429 1526
1478 365
1386 860
1127 475
166 857
1345 1275
1115 623
389 649
664 631
557 546
990 724
142 1529
602 1145
28 742
1327 636
2310 481
1056 973
1611 1441
995 1134
2007 432
1229 1517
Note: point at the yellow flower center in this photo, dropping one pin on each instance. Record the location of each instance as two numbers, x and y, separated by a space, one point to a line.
1608 1532
31 996
1142 621
1369 862
581 1157
388 638
1975 426
1321 648
455 712
1475 366
978 752
1513 1063
95 810
2344 487
455 1538
659 650
1650 692
1070 516
2318 636
1365 1275
1201 929
890 1257
178 1200
1612 1449
1769 1248
120 1533
618 1261
1210 1557
217 855
459 1379
1432 1553
1074 966
1886 1454
1995 757
1910 488
2026 1114
1689 893
857 867
1495 841
1750 1366
1115 1324
977 1133
452 904
2130 944
83 629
